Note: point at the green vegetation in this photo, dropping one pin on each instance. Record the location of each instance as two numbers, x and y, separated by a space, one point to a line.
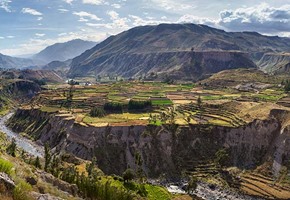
139 105
286 84
113 107
97 112
161 102
156 192
37 163
128 175
11 149
47 157
22 191
5 166
222 157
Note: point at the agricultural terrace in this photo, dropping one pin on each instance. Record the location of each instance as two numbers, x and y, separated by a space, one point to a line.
140 103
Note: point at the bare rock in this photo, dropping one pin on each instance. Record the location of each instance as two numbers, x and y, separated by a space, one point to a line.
6 181
31 180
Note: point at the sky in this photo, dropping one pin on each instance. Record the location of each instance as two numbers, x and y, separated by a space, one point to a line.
28 26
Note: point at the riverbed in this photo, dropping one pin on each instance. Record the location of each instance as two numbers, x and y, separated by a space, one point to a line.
205 191
27 145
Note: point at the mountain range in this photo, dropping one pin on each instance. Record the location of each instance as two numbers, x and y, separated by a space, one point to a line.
13 62
182 51
179 51
57 52
63 51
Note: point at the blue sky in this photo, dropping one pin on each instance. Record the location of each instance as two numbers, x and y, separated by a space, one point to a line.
28 26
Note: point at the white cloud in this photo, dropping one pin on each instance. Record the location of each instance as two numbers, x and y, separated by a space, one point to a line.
39 34
39 18
113 14
4 4
118 22
31 11
10 36
85 16
2 38
263 18
115 5
62 34
68 1
138 21
95 2
197 20
62 10
172 5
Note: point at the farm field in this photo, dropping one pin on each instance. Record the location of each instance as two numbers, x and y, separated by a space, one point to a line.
169 103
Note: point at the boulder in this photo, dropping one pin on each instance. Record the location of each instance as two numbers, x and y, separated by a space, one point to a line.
6 181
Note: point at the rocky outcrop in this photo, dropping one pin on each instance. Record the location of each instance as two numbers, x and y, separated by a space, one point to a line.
275 63
6 183
163 149
20 90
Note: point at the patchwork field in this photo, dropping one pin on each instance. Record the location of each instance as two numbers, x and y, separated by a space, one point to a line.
169 103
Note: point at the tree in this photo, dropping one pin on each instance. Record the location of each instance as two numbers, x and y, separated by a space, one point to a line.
54 166
199 105
47 157
37 163
287 86
90 167
222 157
187 119
128 175
11 149
192 184
139 171
97 112
69 96
172 116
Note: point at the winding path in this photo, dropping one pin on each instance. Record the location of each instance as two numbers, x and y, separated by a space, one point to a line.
29 146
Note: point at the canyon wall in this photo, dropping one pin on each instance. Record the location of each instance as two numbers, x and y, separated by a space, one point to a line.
167 149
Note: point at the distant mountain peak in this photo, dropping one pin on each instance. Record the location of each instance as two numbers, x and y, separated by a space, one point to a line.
63 51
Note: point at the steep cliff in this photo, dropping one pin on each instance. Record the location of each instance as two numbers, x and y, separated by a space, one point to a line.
167 149
275 63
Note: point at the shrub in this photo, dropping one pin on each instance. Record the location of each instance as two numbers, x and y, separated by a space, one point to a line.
22 191
5 166
11 149
222 157
97 112
139 105
113 107
128 175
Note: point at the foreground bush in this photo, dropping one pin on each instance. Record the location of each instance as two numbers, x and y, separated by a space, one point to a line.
22 191
5 166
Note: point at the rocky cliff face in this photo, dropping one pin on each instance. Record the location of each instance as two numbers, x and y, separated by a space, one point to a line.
275 63
167 149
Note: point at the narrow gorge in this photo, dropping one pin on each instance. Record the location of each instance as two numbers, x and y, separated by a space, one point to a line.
167 149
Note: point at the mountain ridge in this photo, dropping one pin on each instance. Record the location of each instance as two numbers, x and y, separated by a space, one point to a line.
108 57
63 51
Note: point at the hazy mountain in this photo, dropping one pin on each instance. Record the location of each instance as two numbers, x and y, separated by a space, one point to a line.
13 62
63 51
185 51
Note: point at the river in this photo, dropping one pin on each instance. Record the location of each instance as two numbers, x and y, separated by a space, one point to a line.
206 192
27 145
